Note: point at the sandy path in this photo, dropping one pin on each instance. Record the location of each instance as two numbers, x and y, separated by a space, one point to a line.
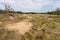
21 27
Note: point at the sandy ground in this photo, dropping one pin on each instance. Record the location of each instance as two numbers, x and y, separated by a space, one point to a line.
21 27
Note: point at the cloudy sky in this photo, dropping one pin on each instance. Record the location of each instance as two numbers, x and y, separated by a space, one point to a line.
31 5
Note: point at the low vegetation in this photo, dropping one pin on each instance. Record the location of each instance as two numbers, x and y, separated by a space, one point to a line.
44 27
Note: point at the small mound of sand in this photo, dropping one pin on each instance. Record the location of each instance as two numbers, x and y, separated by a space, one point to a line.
20 27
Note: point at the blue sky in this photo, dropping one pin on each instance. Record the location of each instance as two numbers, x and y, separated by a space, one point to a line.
32 5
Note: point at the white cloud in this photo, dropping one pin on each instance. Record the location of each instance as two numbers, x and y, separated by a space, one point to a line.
32 5
8 1
57 4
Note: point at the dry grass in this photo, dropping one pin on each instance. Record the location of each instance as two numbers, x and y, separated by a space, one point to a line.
44 28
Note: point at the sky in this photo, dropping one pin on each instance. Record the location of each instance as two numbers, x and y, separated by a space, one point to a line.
31 5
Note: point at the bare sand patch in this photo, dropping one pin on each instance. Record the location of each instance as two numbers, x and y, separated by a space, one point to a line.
20 27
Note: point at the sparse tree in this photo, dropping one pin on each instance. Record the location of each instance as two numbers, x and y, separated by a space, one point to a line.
7 7
57 12
58 9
